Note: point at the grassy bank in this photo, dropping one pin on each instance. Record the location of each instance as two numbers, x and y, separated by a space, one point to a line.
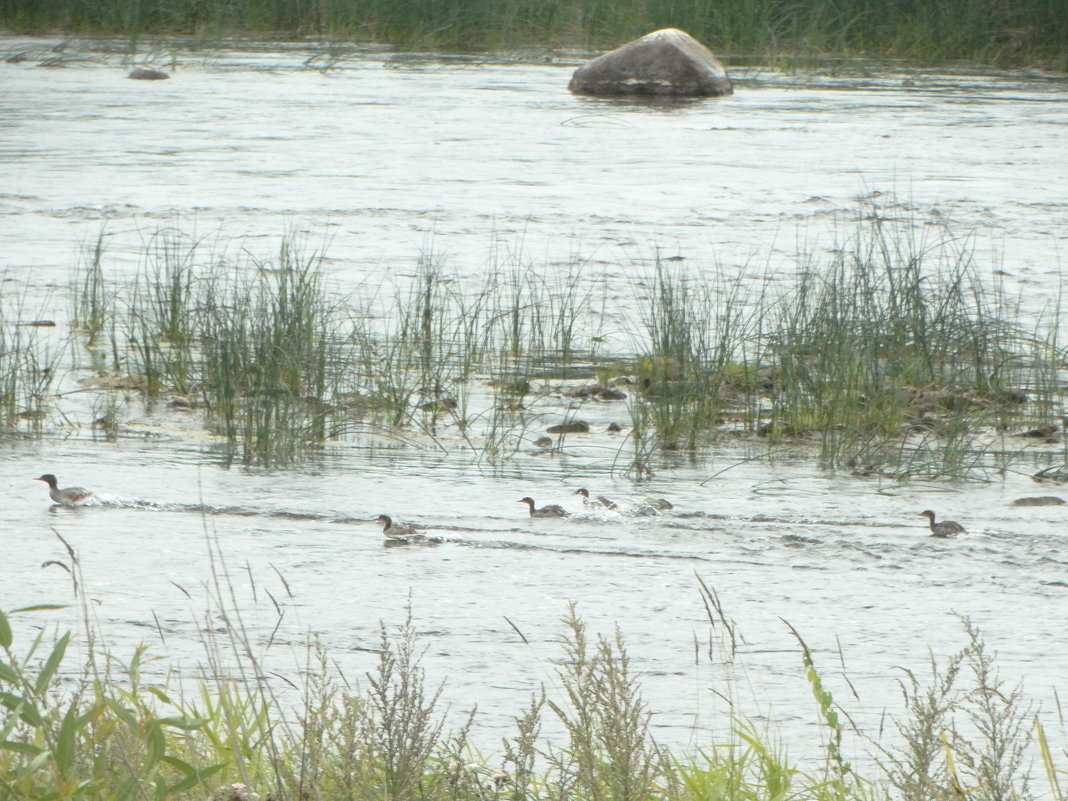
98 730
991 32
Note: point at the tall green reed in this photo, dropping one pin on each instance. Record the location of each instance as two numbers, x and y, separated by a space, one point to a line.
695 331
269 350
93 304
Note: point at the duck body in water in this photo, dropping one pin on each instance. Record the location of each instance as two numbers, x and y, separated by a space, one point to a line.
546 511
68 496
600 500
657 504
396 531
945 529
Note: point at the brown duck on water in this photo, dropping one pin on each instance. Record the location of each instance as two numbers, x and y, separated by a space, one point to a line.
947 528
546 511
396 531
68 496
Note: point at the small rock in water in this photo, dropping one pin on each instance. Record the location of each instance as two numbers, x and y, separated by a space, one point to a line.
1041 500
668 62
148 74
596 391
574 427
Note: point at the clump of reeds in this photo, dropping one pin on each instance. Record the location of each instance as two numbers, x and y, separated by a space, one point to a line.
161 320
895 344
268 344
896 356
695 333
27 366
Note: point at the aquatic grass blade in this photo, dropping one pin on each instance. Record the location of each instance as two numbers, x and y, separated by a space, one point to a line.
48 670
65 742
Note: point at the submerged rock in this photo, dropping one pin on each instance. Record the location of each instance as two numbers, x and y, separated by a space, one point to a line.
147 74
574 427
668 62
1040 500
597 391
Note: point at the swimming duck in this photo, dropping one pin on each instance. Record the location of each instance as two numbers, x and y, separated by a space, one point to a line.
396 531
68 496
659 504
599 500
947 528
546 511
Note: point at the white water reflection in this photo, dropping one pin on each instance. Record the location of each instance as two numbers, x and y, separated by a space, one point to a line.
385 157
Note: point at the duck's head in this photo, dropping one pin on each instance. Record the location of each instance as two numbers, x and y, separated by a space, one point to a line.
48 479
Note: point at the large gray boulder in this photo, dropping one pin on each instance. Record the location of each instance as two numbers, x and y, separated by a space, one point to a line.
667 62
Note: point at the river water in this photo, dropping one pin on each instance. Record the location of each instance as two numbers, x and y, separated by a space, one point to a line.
384 157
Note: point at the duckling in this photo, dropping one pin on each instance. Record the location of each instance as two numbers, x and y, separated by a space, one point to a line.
68 496
396 531
947 528
600 500
654 506
546 511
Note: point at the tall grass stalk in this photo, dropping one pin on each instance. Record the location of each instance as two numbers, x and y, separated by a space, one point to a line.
92 302
896 355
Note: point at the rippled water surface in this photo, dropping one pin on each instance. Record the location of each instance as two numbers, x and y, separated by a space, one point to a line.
385 157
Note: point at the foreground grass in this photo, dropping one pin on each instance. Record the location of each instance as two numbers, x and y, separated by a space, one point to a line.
995 32
111 735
